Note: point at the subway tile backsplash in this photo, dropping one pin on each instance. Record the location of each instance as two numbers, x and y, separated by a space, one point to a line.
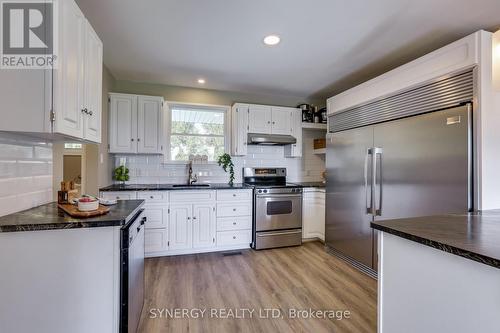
25 173
145 169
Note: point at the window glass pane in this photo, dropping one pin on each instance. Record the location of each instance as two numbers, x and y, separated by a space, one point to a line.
184 145
197 121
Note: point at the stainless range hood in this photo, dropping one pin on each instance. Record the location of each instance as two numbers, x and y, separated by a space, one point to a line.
270 139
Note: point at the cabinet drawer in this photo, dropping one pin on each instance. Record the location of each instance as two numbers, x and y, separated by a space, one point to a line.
155 240
234 223
238 237
119 195
234 209
191 196
153 196
234 195
156 216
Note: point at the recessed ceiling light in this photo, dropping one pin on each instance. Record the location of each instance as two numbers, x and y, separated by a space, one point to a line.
272 40
201 81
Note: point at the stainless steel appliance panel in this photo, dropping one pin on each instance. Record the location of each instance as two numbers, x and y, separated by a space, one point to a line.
348 194
425 166
278 211
281 238
136 274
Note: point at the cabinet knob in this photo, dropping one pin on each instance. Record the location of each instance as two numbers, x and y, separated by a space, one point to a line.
138 139
189 218
234 237
234 209
274 123
91 113
151 197
194 217
234 194
268 122
85 111
234 223
132 140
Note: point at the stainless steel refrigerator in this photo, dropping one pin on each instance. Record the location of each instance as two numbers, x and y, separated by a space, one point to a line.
415 166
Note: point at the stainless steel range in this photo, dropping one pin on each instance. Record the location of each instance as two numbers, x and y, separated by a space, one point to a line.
277 208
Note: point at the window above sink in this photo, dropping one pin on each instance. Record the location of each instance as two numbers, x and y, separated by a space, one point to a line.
196 129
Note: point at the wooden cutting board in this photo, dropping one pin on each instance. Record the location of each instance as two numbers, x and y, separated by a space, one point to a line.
73 211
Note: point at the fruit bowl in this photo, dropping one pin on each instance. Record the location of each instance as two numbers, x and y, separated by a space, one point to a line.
87 204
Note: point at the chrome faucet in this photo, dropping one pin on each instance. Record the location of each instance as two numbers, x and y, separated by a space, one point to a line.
191 178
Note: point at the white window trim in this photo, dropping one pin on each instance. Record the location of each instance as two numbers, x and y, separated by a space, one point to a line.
212 107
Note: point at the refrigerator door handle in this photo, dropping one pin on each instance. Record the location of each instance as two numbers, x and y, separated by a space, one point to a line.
377 152
368 204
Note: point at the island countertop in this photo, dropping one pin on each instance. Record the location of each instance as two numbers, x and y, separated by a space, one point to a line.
50 217
475 236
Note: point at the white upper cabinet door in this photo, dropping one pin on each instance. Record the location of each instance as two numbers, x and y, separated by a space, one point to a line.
204 226
70 72
123 123
180 227
240 130
259 119
93 86
281 120
149 124
295 150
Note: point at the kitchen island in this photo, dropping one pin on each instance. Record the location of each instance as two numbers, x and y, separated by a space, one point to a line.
439 273
62 274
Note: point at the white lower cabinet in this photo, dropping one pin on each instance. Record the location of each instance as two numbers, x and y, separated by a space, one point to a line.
187 221
180 227
203 226
313 210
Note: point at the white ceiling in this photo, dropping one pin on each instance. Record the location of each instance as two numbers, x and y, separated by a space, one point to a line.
327 45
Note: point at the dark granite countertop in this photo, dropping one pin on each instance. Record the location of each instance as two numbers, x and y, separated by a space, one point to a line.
50 217
310 184
170 187
475 236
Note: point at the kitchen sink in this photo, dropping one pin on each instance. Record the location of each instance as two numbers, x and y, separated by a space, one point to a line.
191 186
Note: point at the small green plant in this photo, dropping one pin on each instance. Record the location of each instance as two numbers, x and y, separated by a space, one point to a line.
225 162
121 174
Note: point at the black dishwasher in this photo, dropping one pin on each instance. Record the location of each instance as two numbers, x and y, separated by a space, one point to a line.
132 273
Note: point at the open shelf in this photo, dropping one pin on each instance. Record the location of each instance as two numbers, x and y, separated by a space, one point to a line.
316 126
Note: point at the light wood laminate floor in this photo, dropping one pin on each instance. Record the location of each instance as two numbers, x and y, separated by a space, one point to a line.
304 277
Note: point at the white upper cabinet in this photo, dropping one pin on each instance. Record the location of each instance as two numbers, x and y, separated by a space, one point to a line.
78 77
265 119
93 86
69 78
240 129
259 119
65 101
281 120
135 124
295 150
149 121
122 123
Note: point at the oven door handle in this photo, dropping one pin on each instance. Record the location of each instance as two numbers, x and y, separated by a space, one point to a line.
279 195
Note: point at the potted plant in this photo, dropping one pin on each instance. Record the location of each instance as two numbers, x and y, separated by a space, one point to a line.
121 174
225 161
